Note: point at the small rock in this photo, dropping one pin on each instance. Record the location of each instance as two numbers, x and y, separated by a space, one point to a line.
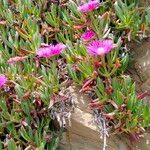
83 133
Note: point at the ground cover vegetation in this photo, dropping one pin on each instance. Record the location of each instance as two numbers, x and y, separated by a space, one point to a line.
47 46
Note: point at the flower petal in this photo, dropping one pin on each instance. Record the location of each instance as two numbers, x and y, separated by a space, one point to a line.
100 47
3 80
50 50
87 7
88 35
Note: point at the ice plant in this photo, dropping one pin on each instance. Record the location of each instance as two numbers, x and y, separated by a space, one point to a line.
88 35
38 98
50 50
89 6
3 80
16 59
100 47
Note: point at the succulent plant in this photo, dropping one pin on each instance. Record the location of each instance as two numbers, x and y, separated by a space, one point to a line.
45 46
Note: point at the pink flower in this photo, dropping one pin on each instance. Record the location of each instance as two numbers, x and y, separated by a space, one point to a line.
87 7
50 50
88 35
100 47
3 80
14 60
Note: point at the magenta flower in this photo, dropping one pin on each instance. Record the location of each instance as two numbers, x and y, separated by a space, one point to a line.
100 47
87 7
50 50
3 80
88 35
